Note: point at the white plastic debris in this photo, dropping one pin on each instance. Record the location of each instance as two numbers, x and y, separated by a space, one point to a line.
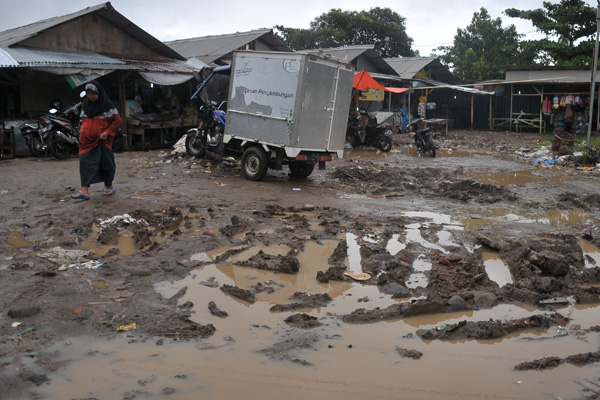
64 256
179 147
126 218
87 265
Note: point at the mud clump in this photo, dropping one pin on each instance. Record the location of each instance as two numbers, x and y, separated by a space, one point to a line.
576 200
109 236
286 264
406 353
467 190
181 327
214 310
395 311
490 329
551 362
303 321
168 219
303 301
242 294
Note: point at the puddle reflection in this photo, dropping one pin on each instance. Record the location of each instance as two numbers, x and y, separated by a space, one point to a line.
496 268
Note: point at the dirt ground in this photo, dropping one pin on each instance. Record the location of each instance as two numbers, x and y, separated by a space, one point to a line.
73 268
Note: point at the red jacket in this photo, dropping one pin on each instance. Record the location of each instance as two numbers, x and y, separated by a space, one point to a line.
91 128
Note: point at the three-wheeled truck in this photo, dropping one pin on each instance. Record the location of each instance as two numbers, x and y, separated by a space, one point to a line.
280 109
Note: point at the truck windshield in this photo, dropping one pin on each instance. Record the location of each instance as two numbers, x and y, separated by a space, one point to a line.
217 88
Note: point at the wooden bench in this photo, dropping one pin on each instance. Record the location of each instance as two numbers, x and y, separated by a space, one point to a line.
519 123
435 123
7 142
152 134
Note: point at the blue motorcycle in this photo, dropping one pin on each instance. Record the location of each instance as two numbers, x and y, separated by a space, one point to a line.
212 111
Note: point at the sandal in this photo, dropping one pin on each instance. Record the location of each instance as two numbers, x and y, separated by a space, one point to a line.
80 196
110 192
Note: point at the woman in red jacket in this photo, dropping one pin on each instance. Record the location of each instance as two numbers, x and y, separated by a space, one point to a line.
100 122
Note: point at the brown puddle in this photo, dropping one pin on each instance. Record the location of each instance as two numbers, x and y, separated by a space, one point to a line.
346 361
126 244
557 218
15 240
221 368
521 177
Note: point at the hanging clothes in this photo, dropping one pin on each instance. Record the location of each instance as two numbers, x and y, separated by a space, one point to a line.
546 106
555 102
563 101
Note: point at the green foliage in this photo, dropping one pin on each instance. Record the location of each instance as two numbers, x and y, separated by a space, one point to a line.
483 47
569 27
379 26
591 153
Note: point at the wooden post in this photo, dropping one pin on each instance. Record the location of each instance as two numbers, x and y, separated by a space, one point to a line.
541 106
123 101
491 98
511 109
472 110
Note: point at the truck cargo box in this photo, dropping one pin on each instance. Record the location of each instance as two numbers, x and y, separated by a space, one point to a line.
298 102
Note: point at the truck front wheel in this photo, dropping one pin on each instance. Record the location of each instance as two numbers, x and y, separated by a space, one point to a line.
301 169
195 143
255 163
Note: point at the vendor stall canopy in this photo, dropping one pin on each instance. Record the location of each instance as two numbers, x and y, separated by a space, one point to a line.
48 45
363 81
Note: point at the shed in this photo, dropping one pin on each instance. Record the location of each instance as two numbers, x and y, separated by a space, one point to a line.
49 58
544 98
441 96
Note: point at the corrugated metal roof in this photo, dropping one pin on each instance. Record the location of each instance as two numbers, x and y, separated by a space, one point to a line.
42 58
442 85
6 60
350 53
211 48
29 57
175 66
408 67
106 11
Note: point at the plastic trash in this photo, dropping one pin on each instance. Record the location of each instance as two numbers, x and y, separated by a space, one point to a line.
359 276
128 327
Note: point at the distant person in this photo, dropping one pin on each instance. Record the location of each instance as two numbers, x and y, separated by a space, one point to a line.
100 122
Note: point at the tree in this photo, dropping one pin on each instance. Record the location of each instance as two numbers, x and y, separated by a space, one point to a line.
379 26
481 49
571 23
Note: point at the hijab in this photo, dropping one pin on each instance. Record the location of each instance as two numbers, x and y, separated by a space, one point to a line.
98 107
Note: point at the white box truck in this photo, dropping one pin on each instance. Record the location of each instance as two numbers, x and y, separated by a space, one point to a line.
280 109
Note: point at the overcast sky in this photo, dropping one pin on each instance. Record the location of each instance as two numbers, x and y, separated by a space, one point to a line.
430 23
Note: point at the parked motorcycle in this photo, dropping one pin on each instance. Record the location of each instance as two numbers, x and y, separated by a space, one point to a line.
212 116
35 140
423 138
374 135
62 130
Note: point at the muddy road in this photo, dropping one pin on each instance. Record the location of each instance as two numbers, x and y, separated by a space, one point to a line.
475 274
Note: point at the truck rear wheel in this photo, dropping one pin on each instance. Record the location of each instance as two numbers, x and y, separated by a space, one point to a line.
255 163
301 169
